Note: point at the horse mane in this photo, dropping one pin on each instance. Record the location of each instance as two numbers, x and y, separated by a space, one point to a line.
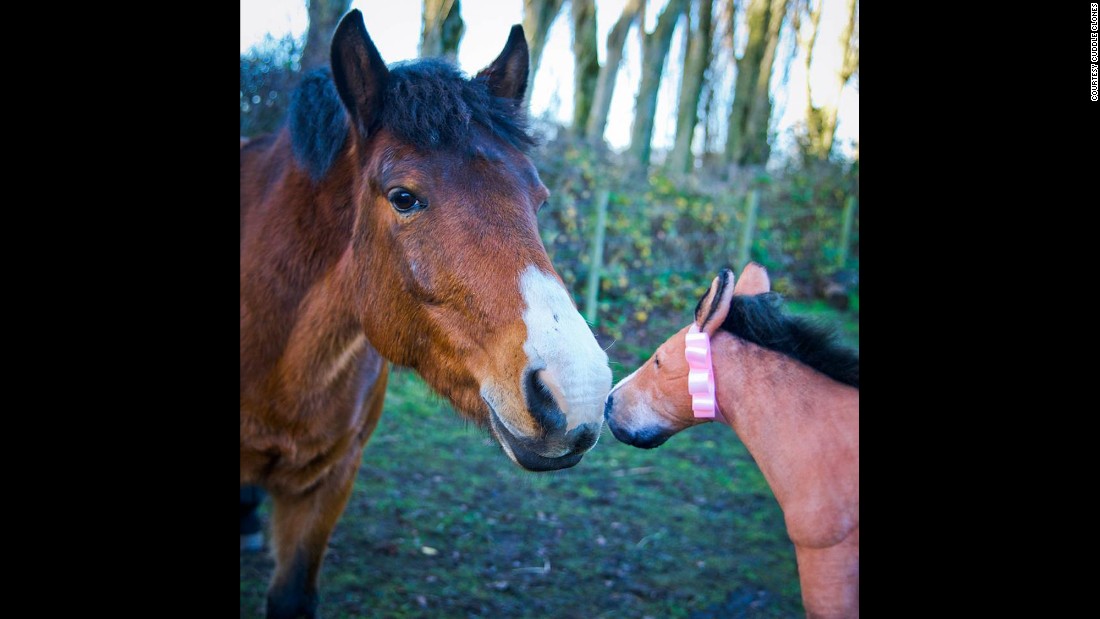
318 123
427 103
760 319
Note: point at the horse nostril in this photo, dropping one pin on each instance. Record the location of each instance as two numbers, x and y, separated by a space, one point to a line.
585 439
541 403
607 406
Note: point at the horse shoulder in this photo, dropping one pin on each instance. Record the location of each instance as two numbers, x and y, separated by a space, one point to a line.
822 506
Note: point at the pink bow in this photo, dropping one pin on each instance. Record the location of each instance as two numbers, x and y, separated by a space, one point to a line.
701 373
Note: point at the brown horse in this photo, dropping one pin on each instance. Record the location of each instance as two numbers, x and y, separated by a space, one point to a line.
792 396
394 218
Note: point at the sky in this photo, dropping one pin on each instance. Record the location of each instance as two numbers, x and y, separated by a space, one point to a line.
394 25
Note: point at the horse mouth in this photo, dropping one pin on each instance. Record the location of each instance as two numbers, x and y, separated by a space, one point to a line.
518 450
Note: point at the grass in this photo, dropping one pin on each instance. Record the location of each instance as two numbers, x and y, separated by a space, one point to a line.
442 524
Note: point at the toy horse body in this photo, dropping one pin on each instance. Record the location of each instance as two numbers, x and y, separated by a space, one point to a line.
792 396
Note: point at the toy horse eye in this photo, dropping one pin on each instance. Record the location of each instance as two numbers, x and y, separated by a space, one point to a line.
404 201
657 361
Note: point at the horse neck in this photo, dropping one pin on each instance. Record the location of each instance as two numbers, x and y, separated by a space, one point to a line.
300 235
802 428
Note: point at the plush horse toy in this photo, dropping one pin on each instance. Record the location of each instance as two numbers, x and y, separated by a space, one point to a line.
791 394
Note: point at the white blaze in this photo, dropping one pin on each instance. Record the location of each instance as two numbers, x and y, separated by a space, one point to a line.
559 341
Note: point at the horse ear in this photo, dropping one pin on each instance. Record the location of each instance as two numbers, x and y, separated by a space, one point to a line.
358 71
712 309
754 280
507 74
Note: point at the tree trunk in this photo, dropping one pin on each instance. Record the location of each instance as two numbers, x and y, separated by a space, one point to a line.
324 15
538 15
655 47
710 139
605 84
696 61
586 69
441 29
757 147
821 121
750 113
814 116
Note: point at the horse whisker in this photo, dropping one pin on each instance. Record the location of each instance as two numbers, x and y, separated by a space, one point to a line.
645 540
545 569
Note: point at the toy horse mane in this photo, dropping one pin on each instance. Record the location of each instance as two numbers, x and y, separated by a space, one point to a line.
760 319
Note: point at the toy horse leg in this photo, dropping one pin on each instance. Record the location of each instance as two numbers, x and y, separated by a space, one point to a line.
830 578
302 523
252 537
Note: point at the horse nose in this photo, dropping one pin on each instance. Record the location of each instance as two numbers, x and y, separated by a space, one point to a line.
584 437
645 438
542 402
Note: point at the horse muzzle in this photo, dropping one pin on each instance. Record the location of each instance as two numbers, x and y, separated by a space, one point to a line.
647 437
549 452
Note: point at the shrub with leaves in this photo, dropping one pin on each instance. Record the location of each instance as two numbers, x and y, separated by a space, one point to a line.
666 240
269 73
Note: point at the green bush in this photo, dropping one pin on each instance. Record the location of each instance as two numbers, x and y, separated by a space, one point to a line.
666 239
269 73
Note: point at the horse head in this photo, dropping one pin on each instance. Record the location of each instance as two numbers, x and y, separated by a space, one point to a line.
445 263
653 403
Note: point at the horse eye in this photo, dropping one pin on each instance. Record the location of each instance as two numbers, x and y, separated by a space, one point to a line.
403 200
657 361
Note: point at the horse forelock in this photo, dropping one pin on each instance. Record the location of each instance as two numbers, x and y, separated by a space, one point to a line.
428 104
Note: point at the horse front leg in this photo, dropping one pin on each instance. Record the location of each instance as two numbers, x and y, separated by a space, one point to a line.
252 537
830 578
301 526
302 523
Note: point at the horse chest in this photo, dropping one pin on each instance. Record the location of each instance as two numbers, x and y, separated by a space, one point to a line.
291 436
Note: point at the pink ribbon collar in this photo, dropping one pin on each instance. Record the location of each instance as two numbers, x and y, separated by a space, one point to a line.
701 373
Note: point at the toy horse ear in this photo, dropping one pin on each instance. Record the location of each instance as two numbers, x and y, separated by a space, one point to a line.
358 71
507 74
712 309
754 280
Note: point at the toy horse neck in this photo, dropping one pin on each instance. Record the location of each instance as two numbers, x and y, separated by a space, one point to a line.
802 428
785 412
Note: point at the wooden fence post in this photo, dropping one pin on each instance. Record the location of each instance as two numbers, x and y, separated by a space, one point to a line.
846 231
591 304
752 203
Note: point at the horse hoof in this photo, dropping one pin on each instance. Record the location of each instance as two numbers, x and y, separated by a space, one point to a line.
252 542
